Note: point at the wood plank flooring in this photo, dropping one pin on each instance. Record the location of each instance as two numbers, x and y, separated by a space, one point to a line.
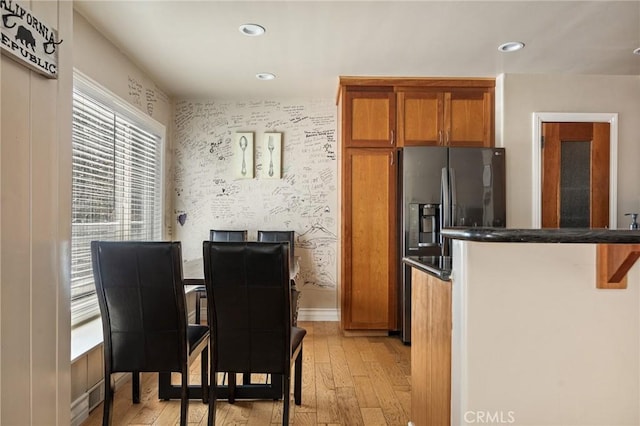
347 381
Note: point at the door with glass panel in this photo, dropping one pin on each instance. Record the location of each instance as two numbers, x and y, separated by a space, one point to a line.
575 175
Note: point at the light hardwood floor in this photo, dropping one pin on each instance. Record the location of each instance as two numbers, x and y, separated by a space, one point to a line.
347 381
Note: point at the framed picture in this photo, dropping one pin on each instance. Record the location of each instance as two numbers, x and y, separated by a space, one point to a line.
272 164
243 158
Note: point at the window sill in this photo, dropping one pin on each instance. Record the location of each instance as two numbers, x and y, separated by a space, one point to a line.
85 338
88 336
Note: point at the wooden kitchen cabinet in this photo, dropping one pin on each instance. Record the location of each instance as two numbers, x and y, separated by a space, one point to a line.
369 253
431 322
370 118
377 117
452 117
420 118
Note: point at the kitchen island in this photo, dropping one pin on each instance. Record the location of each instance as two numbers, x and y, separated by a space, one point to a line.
525 333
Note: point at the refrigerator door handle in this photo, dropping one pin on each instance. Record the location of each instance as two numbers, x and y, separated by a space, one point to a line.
444 195
454 201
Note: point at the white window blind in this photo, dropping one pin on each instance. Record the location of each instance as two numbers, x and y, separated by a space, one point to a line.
116 189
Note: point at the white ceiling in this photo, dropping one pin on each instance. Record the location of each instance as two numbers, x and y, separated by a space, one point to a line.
194 49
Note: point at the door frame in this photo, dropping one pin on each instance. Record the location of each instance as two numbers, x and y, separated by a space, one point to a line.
564 117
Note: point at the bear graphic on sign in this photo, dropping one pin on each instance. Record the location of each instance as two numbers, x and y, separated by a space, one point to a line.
26 38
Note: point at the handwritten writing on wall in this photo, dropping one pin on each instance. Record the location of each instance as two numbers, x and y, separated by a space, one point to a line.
135 91
145 96
304 200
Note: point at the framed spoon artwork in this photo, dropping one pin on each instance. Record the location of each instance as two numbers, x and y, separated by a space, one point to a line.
243 155
272 156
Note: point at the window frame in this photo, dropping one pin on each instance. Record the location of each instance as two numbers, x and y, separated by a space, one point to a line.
89 310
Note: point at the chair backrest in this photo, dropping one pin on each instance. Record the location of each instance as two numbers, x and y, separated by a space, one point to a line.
280 236
142 302
225 235
249 305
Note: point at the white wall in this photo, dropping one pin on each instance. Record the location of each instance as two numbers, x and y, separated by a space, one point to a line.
99 59
534 337
524 94
35 219
210 195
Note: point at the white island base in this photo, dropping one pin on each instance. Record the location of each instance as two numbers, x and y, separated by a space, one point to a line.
534 342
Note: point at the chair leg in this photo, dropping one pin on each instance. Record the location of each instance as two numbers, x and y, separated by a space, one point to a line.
297 387
231 385
184 396
135 387
286 378
204 368
213 383
107 413
198 297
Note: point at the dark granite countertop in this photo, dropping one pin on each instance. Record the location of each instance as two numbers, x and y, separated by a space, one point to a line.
565 235
438 266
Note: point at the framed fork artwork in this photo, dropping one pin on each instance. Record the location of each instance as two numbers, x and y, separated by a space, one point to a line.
272 156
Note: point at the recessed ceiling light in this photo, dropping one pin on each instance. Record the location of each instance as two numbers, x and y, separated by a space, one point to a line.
252 29
637 51
265 76
511 46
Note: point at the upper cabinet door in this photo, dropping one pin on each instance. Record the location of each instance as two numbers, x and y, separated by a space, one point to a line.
370 119
468 117
420 118
445 117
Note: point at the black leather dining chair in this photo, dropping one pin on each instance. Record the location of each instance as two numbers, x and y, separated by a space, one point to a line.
226 235
278 237
217 235
285 236
144 319
249 312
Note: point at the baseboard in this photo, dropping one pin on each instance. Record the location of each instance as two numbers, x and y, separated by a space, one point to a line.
318 314
365 333
80 410
96 395
81 407
119 379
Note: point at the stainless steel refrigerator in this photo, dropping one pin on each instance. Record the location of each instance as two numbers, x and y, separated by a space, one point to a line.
444 187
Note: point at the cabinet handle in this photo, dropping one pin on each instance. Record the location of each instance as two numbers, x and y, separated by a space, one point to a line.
439 137
392 138
446 141
391 158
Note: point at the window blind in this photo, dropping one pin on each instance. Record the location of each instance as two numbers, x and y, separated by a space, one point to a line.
116 190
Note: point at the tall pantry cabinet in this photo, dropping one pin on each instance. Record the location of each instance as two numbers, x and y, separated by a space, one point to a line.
378 116
369 173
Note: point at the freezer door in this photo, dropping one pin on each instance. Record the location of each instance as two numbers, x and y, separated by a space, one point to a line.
477 186
421 169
